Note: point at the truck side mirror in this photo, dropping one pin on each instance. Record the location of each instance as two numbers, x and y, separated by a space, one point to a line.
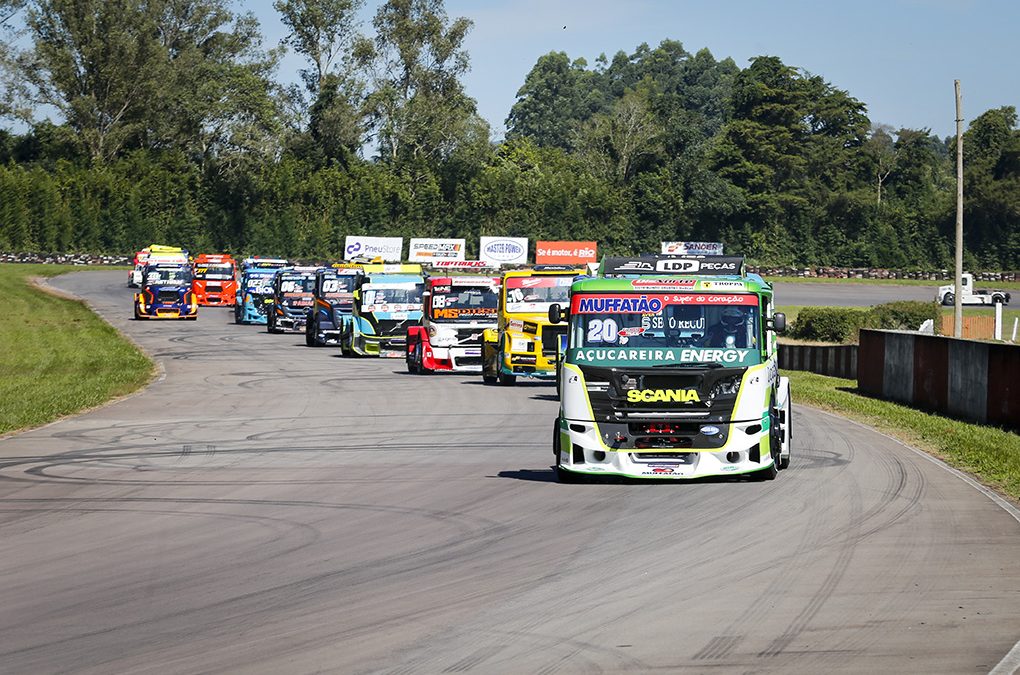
778 322
555 313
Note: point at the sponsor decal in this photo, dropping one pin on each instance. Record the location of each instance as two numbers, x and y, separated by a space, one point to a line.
428 250
686 355
523 360
565 252
389 249
664 284
529 328
709 430
692 248
653 303
663 396
456 313
504 250
460 264
728 468
722 286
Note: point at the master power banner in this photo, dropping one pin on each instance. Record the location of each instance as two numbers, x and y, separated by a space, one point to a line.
430 250
389 249
498 251
692 247
565 252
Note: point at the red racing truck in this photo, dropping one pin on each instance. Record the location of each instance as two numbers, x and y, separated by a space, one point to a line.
456 310
215 280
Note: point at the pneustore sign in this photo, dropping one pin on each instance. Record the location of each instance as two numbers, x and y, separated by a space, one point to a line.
428 250
387 248
504 250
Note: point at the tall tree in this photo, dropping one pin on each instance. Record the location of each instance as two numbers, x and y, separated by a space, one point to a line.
12 91
420 109
557 95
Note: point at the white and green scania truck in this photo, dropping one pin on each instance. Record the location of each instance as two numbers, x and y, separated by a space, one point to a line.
671 372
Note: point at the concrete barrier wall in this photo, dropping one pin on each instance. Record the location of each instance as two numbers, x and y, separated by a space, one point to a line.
976 381
835 361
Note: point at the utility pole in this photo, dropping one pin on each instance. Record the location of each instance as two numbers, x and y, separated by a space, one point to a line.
958 303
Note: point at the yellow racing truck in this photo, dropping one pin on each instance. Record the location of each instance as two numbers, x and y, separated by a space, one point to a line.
524 344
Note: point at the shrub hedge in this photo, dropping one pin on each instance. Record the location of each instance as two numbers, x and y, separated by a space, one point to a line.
843 324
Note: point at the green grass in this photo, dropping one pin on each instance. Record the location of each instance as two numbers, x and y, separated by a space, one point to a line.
1002 285
990 454
56 356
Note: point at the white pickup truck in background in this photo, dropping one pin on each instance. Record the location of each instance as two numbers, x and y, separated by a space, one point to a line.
969 296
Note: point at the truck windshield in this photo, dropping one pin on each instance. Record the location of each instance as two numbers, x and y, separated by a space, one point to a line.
396 298
297 285
338 287
663 328
259 283
217 271
464 303
167 276
535 294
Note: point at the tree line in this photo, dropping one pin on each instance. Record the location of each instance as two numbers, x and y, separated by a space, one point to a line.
173 125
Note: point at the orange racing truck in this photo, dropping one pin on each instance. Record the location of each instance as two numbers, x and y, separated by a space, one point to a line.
214 280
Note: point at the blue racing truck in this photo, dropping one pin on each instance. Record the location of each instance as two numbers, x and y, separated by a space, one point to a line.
333 304
255 289
388 300
166 293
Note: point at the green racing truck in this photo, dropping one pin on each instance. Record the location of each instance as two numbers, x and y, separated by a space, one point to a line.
671 372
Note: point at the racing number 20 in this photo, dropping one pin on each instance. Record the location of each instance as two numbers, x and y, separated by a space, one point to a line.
602 330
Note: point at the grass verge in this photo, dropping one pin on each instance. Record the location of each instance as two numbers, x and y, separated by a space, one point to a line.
1000 285
56 356
989 453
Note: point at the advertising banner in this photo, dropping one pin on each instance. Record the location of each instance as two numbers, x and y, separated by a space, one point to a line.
431 250
692 247
498 251
389 249
565 252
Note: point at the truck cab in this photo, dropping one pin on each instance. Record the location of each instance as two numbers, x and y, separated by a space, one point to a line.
255 289
671 372
524 344
154 253
968 295
388 300
166 293
214 282
456 311
293 295
333 304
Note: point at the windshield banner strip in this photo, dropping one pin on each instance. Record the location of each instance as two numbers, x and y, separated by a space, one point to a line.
653 303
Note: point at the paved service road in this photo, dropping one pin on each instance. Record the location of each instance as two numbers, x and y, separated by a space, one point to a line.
846 294
277 509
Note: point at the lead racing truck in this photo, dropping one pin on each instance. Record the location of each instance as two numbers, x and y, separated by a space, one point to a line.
456 311
671 372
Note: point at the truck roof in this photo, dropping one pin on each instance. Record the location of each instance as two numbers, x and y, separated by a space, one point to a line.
547 271
751 283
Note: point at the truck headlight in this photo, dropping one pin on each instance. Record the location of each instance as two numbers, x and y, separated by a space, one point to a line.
726 387
519 345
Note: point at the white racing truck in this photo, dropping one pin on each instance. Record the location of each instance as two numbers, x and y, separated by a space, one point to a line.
969 296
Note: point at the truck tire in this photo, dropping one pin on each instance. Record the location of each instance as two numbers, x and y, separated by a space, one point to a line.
948 299
998 299
507 380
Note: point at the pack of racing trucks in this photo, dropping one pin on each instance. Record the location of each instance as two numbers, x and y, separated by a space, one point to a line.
387 300
255 289
671 372
165 292
293 296
214 281
456 310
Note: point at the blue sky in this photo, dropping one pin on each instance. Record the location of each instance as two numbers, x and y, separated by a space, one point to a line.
899 57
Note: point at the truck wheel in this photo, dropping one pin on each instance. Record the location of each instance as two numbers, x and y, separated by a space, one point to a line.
998 299
948 299
489 379
507 380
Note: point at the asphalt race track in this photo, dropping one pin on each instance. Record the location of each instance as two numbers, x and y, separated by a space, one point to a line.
843 294
270 508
